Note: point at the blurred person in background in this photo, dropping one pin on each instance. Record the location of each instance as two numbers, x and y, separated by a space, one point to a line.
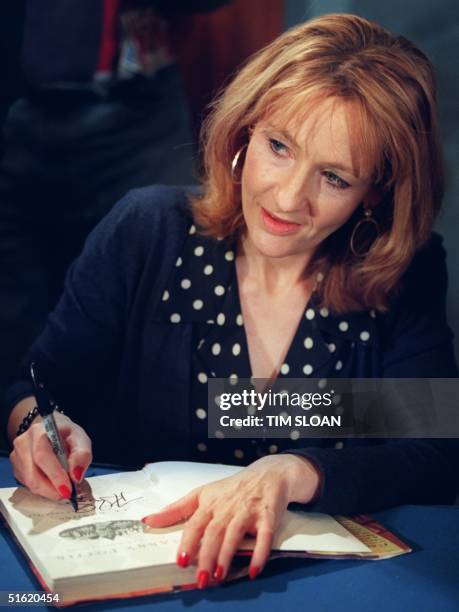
104 111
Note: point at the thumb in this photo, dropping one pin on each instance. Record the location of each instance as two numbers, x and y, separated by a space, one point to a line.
174 512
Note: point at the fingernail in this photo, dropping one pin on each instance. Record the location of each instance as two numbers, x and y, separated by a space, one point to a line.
203 579
218 574
183 559
144 520
78 472
64 491
254 571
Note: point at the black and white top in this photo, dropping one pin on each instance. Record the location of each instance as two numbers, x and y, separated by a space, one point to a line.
203 289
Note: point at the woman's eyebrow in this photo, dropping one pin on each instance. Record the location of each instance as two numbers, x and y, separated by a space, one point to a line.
331 164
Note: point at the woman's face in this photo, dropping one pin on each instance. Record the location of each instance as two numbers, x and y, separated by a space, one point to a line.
301 182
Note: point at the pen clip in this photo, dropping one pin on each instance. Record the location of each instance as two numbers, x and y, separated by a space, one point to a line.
44 402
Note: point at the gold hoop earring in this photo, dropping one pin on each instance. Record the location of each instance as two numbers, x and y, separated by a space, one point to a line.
370 223
234 164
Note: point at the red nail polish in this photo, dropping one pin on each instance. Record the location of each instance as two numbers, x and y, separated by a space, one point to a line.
78 472
218 574
183 559
203 579
144 519
64 491
254 571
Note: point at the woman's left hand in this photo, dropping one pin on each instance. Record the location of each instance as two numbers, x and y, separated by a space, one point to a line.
221 513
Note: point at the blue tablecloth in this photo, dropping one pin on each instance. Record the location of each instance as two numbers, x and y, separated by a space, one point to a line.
426 580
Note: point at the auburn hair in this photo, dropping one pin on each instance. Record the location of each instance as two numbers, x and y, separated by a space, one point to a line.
391 85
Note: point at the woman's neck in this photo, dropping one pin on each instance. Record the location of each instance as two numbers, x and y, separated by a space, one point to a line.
273 276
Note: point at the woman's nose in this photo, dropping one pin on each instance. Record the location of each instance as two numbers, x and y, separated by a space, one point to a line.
294 192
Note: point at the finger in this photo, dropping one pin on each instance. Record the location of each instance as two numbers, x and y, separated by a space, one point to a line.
44 458
39 484
211 542
26 472
263 545
175 512
191 536
234 534
80 453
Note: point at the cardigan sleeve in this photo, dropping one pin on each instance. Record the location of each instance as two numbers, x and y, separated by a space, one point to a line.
80 347
417 344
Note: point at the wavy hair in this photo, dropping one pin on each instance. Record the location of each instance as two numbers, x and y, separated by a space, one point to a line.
391 84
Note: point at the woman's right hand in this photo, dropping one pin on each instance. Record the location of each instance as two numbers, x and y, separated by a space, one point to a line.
36 466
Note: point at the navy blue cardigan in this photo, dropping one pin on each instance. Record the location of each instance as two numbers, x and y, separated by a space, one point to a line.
124 374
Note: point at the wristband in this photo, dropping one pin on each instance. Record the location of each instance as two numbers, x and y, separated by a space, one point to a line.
28 419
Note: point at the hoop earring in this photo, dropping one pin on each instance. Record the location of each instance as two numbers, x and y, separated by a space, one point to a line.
367 219
234 164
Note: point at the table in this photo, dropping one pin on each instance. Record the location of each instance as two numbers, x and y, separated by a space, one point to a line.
427 580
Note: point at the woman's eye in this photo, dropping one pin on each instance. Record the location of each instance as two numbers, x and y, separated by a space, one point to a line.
335 181
276 146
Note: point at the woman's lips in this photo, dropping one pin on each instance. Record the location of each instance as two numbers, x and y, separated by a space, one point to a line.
276 225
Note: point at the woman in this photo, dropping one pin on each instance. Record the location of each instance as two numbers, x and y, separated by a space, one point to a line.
299 259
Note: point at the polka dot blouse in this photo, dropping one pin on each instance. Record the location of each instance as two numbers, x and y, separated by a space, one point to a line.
203 290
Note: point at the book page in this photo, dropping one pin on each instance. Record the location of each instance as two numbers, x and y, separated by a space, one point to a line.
106 533
305 531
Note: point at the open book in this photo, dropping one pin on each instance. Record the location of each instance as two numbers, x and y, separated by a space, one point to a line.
104 550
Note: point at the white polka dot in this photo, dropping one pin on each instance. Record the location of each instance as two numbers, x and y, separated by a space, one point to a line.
336 399
219 290
178 262
233 378
192 229
373 313
239 320
202 447
343 326
322 383
202 377
365 336
339 365
175 317
238 453
229 255
310 314
331 347
252 410
200 343
220 318
236 349
208 269
186 283
219 434
201 413
284 415
198 304
294 435
307 369
165 296
324 312
285 368
216 349
319 277
199 250
339 445
273 448
308 343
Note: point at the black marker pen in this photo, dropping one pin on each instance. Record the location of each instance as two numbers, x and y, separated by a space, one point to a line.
45 409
